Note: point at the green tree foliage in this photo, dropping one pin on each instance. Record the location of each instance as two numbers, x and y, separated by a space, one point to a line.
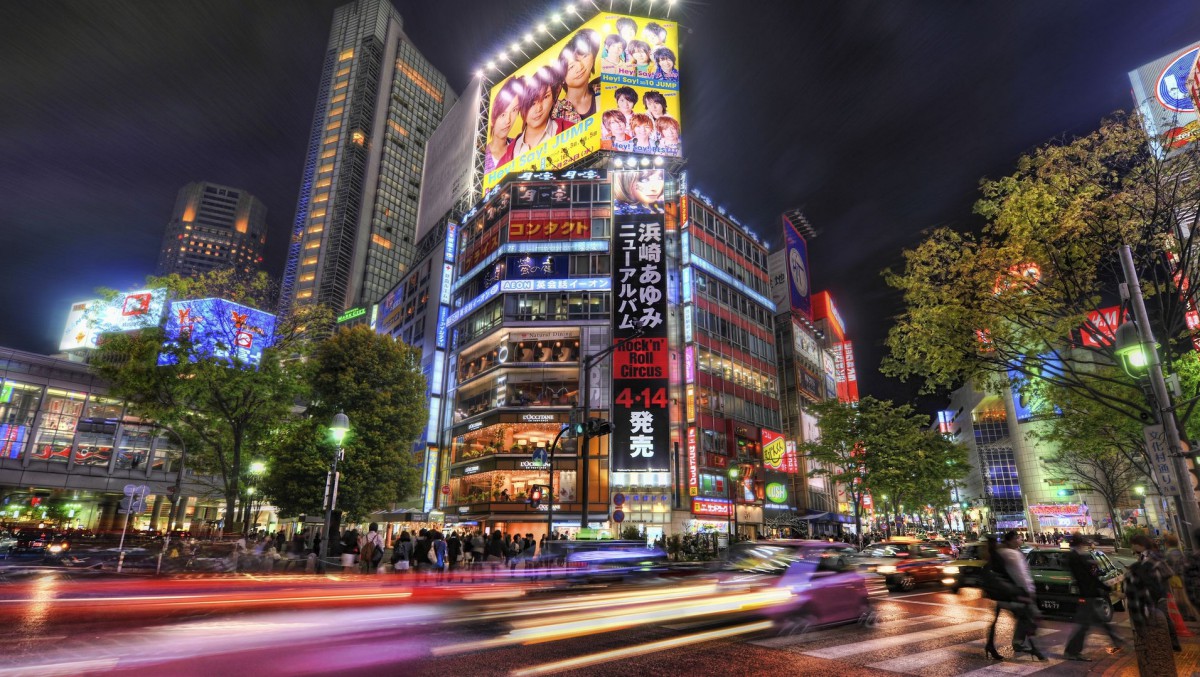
975 311
877 447
378 383
222 409
1092 448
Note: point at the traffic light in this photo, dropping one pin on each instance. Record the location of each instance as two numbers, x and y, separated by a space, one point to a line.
535 496
575 425
598 427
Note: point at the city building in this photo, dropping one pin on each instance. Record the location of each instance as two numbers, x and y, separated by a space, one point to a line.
67 451
379 100
213 227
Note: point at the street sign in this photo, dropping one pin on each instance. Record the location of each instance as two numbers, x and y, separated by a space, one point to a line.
132 506
540 456
618 516
446 489
619 499
131 489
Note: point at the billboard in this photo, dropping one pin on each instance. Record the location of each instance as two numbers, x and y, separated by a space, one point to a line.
797 269
130 311
824 309
219 328
847 376
640 413
1166 93
774 448
1105 322
555 109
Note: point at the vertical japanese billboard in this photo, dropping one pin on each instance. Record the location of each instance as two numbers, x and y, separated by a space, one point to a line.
847 376
1166 92
218 328
614 80
640 416
797 269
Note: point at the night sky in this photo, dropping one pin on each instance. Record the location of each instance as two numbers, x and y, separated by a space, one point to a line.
878 119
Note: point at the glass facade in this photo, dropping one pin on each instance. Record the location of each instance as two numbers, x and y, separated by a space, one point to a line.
998 463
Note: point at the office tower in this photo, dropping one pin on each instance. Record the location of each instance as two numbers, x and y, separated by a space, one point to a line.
213 227
354 235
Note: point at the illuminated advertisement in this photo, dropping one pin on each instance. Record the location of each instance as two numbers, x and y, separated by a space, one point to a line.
12 440
824 309
791 463
1166 92
715 507
551 112
132 311
1028 402
549 229
847 376
693 461
1101 328
797 269
773 449
640 376
216 328
805 344
529 267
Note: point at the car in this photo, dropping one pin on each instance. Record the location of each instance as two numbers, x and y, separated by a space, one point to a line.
967 568
825 585
1055 587
943 546
903 564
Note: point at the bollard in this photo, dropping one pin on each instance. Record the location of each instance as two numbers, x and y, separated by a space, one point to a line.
1152 644
120 561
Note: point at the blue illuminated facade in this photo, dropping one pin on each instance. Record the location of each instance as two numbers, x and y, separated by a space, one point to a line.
217 328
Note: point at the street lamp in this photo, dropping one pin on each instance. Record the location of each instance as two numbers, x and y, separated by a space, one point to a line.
338 430
1135 345
257 468
584 437
732 518
1141 493
887 523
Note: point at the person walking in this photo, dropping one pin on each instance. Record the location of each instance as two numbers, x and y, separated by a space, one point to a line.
349 549
439 550
1091 591
453 552
1006 579
421 550
402 553
371 549
1146 587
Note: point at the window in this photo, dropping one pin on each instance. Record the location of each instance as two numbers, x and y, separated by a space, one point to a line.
347 54
313 244
310 261
56 429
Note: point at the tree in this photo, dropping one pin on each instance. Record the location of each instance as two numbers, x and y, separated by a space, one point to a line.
1014 300
874 446
378 383
1093 449
917 468
220 405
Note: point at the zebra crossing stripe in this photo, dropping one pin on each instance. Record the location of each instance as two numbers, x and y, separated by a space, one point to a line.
878 644
804 638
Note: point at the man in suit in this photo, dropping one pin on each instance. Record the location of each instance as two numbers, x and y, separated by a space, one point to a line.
1091 591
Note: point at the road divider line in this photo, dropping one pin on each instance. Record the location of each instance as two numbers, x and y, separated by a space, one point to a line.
641 649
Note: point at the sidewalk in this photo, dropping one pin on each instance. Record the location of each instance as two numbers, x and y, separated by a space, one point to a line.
1187 662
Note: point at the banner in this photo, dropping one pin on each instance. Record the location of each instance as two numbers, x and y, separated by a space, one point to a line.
640 414
797 269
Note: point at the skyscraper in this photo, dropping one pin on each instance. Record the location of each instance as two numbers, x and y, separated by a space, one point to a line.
213 227
379 100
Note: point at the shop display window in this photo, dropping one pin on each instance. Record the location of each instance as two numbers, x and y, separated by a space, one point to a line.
509 486
167 455
56 429
19 403
134 447
97 431
503 438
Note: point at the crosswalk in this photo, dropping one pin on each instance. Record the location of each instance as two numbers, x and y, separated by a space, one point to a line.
932 645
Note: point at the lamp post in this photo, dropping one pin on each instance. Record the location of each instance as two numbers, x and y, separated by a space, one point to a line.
550 483
1135 346
338 430
887 522
734 472
257 468
584 437
1141 494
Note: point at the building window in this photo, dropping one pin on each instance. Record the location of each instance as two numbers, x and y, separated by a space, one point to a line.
348 54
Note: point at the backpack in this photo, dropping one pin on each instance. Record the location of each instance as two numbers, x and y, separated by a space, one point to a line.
431 555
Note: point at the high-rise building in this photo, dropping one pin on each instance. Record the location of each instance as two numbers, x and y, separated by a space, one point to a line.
213 227
354 235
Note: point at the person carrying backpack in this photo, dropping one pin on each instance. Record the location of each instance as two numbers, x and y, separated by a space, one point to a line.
402 553
371 549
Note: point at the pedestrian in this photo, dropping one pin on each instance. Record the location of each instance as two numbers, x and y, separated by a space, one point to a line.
1007 580
496 551
421 549
1146 588
439 551
1191 575
454 553
349 549
477 546
1091 593
371 549
1178 563
402 553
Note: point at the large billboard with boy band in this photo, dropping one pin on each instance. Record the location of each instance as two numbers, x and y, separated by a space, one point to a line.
613 84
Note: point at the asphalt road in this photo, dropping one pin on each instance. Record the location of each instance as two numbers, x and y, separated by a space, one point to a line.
59 624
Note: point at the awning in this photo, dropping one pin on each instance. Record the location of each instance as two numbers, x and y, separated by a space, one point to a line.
410 515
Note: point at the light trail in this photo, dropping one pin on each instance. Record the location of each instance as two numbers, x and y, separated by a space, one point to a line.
641 649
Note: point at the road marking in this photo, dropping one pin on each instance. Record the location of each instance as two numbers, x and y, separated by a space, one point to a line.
803 638
972 649
859 648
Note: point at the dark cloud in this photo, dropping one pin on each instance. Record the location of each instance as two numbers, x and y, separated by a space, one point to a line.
878 118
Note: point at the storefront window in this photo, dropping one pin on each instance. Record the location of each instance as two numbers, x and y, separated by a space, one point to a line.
18 409
509 486
97 430
167 455
134 447
56 430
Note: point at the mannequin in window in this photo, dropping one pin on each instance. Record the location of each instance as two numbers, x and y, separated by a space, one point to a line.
566 354
546 353
526 354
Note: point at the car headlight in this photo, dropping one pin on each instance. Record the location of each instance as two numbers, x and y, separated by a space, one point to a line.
56 549
950 569
886 569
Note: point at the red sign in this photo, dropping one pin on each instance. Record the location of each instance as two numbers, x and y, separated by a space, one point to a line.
716 507
773 449
716 461
1053 510
845 373
446 489
549 229
823 309
642 358
693 463
791 464
1105 322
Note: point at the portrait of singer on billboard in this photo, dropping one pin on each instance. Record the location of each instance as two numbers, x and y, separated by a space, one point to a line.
639 192
640 120
640 51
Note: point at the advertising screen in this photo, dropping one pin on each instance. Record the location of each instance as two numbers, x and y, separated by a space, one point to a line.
847 375
640 376
126 312
774 448
552 111
1166 93
824 309
797 269
219 328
